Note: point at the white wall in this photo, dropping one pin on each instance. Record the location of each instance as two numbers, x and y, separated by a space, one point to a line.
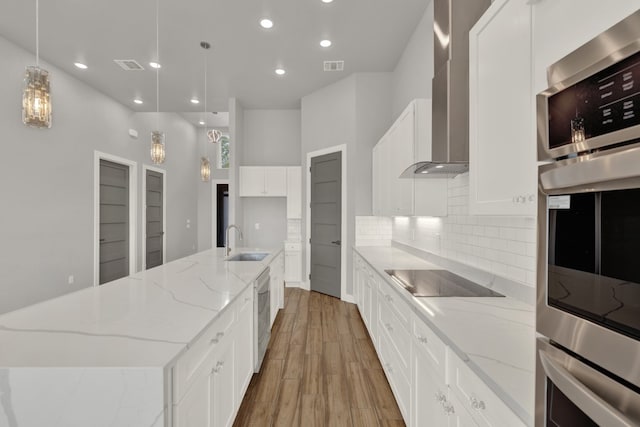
46 182
412 76
271 138
354 111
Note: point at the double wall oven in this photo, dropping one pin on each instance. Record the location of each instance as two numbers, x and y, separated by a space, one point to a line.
588 308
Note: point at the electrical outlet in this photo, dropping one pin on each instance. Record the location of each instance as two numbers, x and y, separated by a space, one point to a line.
257 226
71 279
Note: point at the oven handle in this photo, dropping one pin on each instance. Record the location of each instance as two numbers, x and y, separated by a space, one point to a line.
591 404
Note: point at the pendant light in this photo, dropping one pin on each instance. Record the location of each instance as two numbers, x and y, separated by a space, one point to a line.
36 97
157 137
214 135
205 164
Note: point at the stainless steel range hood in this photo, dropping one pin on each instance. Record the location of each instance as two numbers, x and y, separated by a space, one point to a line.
450 89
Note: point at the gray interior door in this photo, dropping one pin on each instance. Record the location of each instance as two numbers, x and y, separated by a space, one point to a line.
155 221
326 227
114 221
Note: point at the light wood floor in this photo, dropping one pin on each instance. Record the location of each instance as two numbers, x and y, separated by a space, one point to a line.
320 369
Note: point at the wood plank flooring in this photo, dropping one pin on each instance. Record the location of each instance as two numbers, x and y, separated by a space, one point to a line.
320 369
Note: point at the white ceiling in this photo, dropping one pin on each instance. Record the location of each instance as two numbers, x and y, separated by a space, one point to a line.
369 35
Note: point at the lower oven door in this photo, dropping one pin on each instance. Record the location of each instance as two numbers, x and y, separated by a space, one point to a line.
588 277
571 393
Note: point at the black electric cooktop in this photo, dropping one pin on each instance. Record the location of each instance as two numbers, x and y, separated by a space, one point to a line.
438 283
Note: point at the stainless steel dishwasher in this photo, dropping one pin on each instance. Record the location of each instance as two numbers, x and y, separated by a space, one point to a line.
261 318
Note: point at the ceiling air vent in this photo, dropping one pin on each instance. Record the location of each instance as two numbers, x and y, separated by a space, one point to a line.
333 65
129 64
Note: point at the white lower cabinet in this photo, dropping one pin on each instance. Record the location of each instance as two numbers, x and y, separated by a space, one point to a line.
432 401
222 383
292 262
195 408
211 377
244 345
484 406
431 384
276 285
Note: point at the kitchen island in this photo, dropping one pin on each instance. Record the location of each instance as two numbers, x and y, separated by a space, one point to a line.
132 351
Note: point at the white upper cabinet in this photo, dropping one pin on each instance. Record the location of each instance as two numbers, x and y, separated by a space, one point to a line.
407 141
502 140
263 181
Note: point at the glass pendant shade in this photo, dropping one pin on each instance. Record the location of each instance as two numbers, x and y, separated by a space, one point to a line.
157 147
205 169
36 98
214 135
577 129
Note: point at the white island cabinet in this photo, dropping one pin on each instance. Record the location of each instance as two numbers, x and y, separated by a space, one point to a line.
167 347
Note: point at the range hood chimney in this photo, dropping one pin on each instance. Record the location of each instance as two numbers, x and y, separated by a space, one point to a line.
450 89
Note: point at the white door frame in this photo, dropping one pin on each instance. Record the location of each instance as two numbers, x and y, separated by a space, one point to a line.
214 208
343 233
133 211
145 168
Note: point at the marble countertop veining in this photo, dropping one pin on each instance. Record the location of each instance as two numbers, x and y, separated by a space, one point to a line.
143 320
494 336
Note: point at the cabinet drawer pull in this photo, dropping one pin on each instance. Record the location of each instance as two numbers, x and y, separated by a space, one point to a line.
388 326
218 367
388 298
477 404
216 340
448 408
422 339
440 397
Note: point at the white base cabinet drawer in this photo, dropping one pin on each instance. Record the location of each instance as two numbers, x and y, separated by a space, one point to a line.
484 406
399 334
396 374
435 350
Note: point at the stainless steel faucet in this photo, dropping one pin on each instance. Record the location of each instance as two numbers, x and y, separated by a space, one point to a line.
226 242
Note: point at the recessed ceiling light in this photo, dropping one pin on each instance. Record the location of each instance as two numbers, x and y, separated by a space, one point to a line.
266 23
155 65
325 43
201 122
327 1
280 71
439 166
195 101
138 101
80 65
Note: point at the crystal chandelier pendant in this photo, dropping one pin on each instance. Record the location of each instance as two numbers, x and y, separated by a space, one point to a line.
214 135
157 147
205 169
36 98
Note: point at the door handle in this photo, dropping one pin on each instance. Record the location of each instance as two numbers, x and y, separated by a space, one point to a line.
337 242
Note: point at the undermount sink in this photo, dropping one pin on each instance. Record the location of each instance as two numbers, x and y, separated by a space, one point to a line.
249 256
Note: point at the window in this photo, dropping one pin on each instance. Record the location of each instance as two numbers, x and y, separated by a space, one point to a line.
223 152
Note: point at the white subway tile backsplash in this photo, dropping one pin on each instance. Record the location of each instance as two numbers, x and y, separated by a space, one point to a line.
502 245
374 231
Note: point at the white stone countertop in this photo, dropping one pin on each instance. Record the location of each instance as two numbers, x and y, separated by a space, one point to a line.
143 320
495 336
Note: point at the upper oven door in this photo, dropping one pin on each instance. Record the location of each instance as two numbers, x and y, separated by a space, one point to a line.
589 258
